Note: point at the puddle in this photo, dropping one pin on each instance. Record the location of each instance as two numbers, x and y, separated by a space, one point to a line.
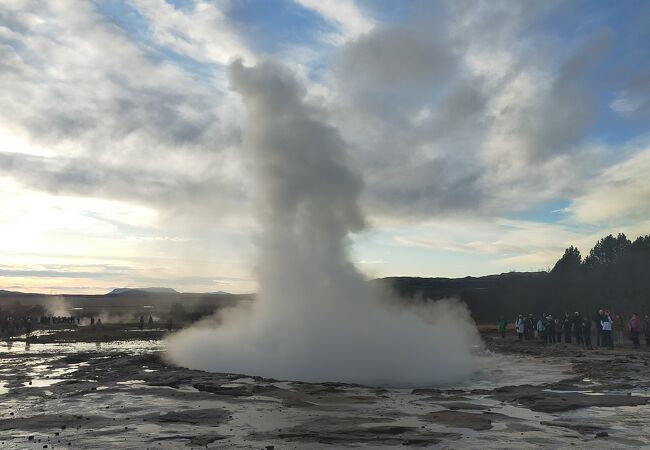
38 383
496 370
556 391
130 347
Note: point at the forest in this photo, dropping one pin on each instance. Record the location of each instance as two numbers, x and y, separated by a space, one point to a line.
615 275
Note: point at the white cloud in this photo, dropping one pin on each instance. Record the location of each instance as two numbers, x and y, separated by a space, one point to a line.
115 121
344 14
457 116
625 105
505 243
619 194
202 32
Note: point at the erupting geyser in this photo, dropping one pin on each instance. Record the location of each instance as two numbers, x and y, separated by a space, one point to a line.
316 318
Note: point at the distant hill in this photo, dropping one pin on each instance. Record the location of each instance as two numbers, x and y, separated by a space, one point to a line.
487 297
5 292
436 288
150 290
123 303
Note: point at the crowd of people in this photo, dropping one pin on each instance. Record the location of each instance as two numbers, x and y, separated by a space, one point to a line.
12 324
579 329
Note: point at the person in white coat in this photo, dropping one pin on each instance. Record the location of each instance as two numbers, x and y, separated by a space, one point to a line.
520 326
606 324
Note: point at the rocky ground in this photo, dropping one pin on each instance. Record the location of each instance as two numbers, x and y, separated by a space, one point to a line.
72 390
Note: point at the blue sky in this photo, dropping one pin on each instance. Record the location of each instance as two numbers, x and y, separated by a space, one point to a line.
489 135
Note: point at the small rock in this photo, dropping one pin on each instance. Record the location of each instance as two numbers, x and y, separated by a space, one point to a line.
601 434
30 438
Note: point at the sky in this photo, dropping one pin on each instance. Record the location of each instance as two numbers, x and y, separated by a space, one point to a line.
489 135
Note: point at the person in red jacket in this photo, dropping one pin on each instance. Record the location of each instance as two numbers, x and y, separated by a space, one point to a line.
635 328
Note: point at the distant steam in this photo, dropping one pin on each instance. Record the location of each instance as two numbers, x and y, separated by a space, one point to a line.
57 307
316 318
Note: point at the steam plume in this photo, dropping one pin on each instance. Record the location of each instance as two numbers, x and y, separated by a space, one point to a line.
316 318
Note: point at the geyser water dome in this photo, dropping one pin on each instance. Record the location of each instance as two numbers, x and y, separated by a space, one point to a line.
316 318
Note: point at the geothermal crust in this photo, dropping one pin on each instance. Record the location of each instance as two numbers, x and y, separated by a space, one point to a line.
121 395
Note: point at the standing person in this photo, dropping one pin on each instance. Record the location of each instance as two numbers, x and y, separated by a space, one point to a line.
531 327
606 333
558 330
599 328
141 322
11 328
502 327
646 329
577 328
619 328
586 331
550 329
520 326
566 325
150 321
28 327
635 328
541 329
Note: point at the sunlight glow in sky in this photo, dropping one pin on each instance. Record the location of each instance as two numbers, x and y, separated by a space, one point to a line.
490 135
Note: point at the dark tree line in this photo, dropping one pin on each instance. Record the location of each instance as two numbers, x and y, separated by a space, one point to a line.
615 275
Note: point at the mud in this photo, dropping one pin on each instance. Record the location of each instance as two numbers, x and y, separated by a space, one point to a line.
71 392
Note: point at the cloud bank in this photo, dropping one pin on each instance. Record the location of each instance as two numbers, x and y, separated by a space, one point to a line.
466 112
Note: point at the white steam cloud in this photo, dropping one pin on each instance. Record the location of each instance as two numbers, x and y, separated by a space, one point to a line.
57 307
316 318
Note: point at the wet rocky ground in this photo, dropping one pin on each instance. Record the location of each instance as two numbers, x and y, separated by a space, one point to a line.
66 390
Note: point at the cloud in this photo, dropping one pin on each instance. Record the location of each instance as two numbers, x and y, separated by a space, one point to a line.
344 14
439 131
117 121
451 111
172 193
619 194
634 100
202 31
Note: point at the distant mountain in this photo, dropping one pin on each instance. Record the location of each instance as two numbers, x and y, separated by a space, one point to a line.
149 290
220 293
6 292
